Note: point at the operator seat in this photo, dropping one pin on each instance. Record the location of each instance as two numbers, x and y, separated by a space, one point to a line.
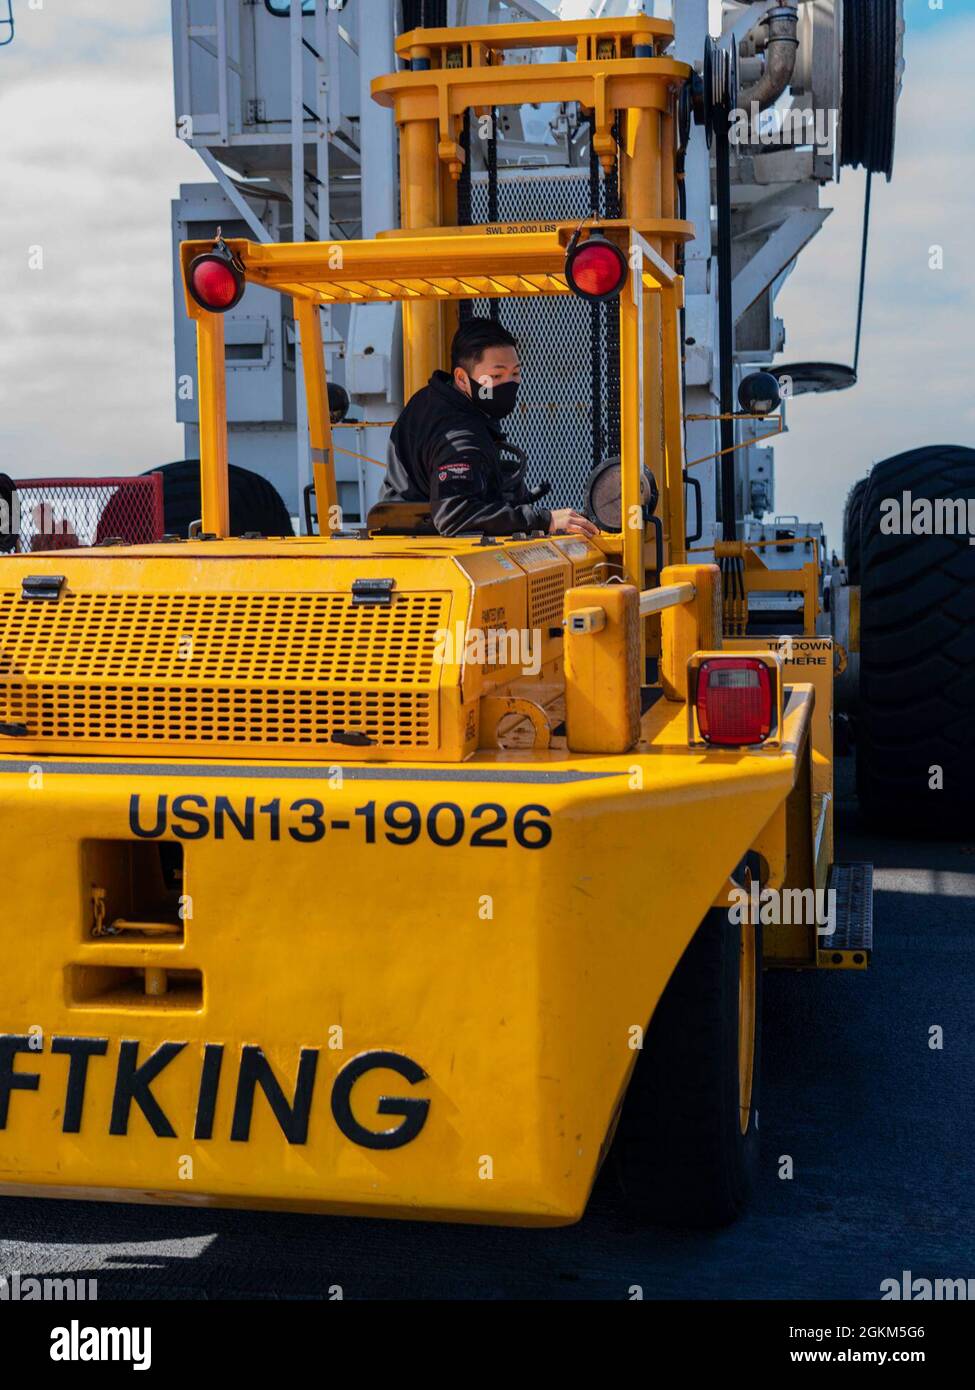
401 519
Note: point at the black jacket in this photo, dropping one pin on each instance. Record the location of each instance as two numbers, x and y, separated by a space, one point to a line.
445 450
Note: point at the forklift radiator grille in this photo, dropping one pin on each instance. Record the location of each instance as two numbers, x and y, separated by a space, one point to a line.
546 600
249 669
221 715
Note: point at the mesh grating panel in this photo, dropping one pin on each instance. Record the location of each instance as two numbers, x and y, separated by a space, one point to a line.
528 196
568 414
64 513
248 668
236 637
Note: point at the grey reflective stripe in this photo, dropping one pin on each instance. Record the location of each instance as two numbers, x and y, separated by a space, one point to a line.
323 770
463 441
396 484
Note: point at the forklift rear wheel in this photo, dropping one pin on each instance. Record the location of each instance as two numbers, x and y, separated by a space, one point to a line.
915 744
686 1150
852 514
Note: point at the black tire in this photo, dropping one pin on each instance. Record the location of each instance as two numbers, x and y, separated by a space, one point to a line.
917 655
680 1156
852 513
255 504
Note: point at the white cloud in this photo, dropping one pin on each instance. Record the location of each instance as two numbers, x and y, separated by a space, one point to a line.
89 163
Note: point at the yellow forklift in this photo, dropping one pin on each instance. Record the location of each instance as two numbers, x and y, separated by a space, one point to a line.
313 908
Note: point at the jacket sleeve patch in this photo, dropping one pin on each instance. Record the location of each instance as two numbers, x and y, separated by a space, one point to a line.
460 478
455 470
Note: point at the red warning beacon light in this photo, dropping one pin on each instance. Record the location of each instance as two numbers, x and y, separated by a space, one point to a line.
596 269
216 279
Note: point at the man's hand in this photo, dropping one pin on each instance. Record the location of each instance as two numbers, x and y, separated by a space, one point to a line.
568 521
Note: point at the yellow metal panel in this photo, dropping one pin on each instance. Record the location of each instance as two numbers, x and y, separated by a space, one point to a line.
554 33
424 350
499 604
799 941
445 94
271 672
689 627
216 649
294 947
602 671
212 384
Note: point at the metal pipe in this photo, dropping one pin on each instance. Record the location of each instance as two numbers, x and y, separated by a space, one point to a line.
586 622
670 596
423 349
726 330
298 230
297 125
212 386
780 56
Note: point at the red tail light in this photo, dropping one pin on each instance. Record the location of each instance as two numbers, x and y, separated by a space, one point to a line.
735 701
216 280
596 269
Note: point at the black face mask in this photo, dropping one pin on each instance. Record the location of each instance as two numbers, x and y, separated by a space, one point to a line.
499 401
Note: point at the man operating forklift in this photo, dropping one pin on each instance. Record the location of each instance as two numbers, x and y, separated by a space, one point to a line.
448 448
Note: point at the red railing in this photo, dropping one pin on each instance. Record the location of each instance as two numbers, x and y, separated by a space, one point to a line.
63 513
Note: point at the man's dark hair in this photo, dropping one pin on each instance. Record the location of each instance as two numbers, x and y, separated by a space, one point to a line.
473 339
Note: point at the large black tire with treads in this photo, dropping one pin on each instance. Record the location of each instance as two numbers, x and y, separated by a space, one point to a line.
255 504
680 1154
852 513
917 654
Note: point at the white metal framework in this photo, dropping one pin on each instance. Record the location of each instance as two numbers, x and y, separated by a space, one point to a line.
274 96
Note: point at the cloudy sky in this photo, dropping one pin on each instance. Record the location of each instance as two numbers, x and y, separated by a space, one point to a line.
89 164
